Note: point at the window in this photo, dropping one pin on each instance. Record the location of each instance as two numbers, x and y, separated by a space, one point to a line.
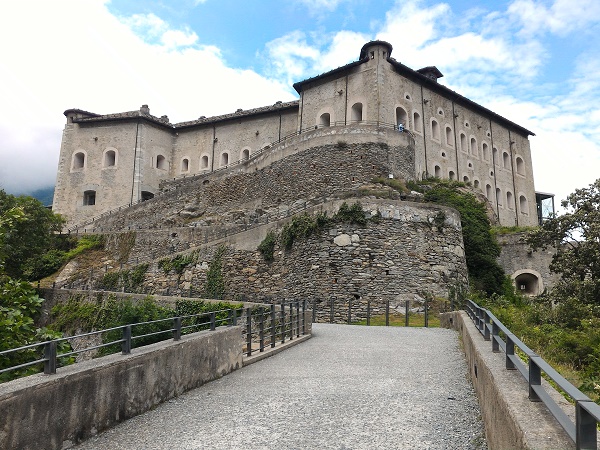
505 160
78 160
466 179
435 130
495 155
185 165
437 172
325 120
161 162
224 159
418 126
476 183
520 166
451 175
485 151
510 203
449 140
146 195
473 146
499 196
204 162
246 153
110 158
523 206
488 191
463 142
356 114
89 198
401 117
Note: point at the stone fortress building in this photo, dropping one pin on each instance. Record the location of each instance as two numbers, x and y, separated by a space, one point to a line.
373 117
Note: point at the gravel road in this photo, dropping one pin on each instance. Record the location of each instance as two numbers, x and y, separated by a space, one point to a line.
349 387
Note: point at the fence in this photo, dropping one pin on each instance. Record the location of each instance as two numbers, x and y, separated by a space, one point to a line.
287 321
587 413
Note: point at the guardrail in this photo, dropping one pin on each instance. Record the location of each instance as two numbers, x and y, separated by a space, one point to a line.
254 154
286 321
587 413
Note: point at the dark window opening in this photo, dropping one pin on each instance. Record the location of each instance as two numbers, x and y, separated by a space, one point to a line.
147 195
89 198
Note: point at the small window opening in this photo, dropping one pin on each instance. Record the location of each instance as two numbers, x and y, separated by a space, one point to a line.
449 140
463 142
435 130
246 155
473 147
418 126
185 165
146 195
110 158
204 162
520 166
437 171
89 198
505 160
79 160
224 159
509 200
499 196
488 191
325 120
401 117
161 162
485 150
451 175
523 206
356 114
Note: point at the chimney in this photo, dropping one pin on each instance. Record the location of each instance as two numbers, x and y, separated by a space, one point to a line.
431 72
144 109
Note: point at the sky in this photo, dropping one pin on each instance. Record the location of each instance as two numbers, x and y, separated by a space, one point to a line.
536 62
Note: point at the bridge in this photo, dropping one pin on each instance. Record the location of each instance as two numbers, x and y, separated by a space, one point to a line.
347 386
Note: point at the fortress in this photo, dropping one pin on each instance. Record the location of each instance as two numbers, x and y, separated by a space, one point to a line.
220 176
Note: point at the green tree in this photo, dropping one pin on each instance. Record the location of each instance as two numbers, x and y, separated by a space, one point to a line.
27 232
575 235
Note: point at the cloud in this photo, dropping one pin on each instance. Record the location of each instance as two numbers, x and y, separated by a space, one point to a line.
315 5
87 58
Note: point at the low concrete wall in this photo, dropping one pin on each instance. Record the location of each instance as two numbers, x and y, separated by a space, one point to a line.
511 420
56 411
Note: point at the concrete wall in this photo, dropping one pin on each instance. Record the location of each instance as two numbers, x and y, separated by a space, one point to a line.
56 411
511 420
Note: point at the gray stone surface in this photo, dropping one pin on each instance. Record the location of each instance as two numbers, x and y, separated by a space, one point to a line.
348 387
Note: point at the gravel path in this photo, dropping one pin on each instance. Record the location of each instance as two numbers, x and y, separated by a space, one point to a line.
349 387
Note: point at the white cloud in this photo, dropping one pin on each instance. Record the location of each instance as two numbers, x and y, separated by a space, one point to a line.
87 58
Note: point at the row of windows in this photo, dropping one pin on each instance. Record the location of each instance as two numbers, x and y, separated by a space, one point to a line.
89 197
224 161
109 159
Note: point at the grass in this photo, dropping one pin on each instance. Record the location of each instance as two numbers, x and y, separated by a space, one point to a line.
398 320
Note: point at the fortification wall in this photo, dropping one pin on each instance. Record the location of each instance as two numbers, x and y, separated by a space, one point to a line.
323 171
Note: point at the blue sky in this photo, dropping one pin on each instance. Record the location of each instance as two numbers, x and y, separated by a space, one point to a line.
536 62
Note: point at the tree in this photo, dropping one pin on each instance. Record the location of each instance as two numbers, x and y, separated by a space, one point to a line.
27 232
575 235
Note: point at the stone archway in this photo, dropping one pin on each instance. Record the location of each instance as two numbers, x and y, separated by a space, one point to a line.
528 282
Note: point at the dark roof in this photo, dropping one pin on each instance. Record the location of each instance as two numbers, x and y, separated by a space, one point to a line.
279 106
123 115
330 74
80 111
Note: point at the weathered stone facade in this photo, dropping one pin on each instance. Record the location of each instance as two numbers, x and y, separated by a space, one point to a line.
118 159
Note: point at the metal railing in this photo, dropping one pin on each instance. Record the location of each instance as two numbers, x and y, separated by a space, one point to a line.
254 155
287 322
587 413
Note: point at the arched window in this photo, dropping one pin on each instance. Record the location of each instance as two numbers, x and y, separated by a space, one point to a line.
523 206
473 146
146 195
451 175
418 126
520 166
204 162
527 284
246 153
495 155
110 158
401 117
161 162
463 142
488 191
89 198
356 114
224 159
505 160
437 172
476 183
466 179
185 165
78 160
485 150
510 203
435 130
325 120
449 140
499 196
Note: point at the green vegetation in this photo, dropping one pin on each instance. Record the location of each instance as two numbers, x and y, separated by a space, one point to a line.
131 280
215 284
267 246
125 243
395 184
178 263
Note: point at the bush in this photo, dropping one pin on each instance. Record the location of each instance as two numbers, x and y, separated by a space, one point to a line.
267 246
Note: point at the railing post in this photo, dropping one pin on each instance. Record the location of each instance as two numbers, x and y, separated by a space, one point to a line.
212 321
177 328
495 337
368 312
586 433
291 321
349 311
303 317
406 311
510 351
314 310
331 311
261 331
297 319
126 344
283 323
486 329
535 377
50 357
426 313
248 332
273 329
387 312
